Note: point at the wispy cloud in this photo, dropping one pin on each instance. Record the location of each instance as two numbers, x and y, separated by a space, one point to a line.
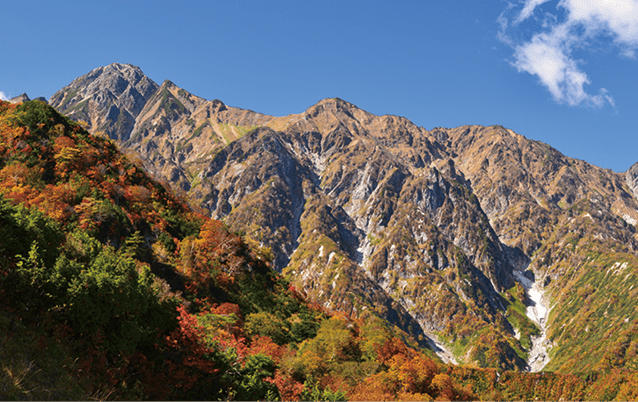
528 10
547 51
3 96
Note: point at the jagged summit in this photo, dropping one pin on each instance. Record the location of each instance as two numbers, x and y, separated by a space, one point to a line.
108 98
25 98
337 102
20 98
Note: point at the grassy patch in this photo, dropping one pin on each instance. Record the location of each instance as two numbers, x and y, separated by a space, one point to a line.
35 366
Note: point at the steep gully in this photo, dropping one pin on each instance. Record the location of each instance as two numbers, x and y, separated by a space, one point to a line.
538 312
362 248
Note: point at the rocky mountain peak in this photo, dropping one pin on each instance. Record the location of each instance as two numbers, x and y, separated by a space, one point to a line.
20 98
335 107
107 98
117 78
335 103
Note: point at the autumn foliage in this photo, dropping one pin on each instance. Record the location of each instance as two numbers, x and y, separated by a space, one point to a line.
160 302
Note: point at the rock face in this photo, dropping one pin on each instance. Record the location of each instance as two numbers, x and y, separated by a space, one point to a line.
632 179
108 98
20 99
435 231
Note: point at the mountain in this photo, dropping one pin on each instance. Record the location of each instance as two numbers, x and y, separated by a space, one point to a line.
111 287
171 129
20 98
490 248
108 98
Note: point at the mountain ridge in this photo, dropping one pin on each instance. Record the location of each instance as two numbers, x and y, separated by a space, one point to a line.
373 214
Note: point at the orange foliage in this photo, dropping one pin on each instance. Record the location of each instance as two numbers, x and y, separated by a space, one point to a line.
373 390
187 342
228 309
289 388
410 375
67 156
391 348
54 201
216 255
265 345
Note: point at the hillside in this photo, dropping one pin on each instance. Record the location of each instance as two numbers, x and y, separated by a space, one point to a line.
493 249
110 283
112 288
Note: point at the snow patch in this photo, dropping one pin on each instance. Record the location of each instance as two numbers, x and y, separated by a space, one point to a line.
538 312
629 220
330 257
617 268
523 280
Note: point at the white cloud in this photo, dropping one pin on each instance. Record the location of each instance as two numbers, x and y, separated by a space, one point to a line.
618 19
528 10
3 96
547 57
576 23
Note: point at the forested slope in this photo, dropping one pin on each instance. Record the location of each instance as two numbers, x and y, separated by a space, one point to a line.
139 297
112 288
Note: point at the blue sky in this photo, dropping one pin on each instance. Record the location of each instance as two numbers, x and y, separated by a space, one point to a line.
562 72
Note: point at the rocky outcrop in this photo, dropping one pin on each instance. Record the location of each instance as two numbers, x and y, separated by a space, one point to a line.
170 130
631 177
20 98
